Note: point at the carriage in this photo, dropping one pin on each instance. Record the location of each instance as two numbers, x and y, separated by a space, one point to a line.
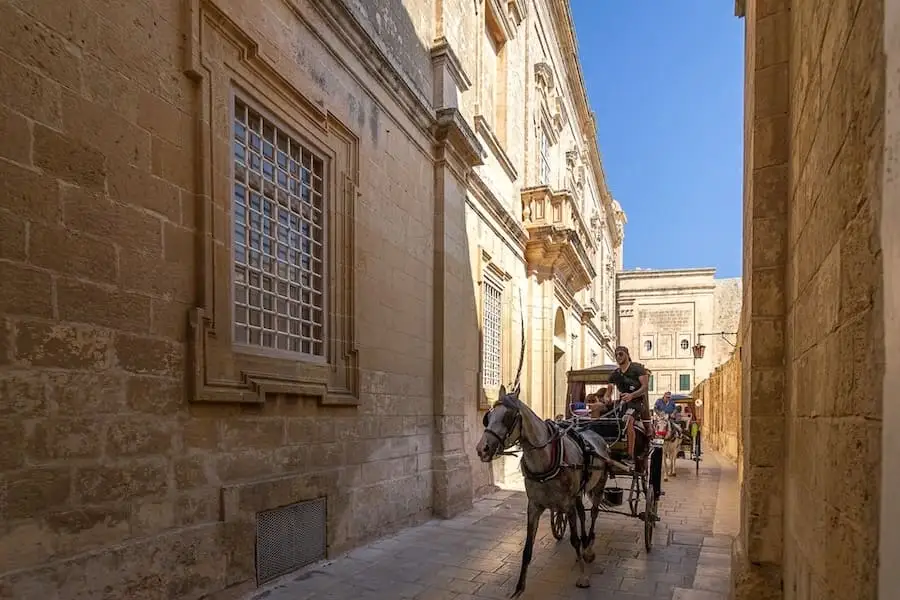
690 442
644 489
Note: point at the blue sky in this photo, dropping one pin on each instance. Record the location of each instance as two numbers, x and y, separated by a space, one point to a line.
665 80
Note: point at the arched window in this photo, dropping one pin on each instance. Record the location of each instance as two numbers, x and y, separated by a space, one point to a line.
685 344
648 346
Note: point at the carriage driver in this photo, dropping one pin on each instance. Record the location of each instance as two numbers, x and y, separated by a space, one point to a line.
631 379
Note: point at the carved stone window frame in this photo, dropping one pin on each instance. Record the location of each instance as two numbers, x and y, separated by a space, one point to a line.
490 271
223 59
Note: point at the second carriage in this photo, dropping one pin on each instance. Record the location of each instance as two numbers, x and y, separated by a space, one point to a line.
643 493
689 421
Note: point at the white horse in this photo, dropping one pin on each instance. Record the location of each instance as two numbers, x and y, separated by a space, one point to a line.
671 444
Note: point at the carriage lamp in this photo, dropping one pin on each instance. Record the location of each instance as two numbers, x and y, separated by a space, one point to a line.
698 349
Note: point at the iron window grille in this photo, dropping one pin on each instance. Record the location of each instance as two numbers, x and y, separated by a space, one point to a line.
492 332
279 231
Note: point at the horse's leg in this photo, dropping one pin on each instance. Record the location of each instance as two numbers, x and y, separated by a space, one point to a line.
579 504
583 580
534 517
596 498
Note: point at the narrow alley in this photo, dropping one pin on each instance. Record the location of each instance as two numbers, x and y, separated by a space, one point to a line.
477 554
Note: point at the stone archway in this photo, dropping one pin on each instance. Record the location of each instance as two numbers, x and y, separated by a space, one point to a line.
559 362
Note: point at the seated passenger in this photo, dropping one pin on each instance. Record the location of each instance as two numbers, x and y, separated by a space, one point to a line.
666 404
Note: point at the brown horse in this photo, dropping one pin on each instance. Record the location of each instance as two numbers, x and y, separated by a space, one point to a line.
558 468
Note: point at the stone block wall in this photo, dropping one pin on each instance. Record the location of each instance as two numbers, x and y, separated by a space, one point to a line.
721 410
813 320
835 326
120 453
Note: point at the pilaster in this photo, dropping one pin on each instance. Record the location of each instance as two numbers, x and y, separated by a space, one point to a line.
455 321
758 555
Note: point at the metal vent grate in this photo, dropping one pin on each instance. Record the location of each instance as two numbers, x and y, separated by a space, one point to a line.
288 538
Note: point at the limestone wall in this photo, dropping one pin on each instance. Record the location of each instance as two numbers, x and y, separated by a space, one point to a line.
813 328
721 410
835 327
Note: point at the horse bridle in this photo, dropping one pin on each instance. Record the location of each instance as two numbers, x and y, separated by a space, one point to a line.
502 448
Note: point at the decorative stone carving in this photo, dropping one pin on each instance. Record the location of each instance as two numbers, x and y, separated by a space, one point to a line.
620 219
543 78
516 11
557 237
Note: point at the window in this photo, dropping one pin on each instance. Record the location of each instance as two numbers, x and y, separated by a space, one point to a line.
545 158
493 97
650 384
295 298
648 346
684 382
279 230
492 334
685 344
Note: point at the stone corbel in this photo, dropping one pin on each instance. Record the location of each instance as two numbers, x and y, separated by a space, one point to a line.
561 115
450 79
451 130
504 19
516 11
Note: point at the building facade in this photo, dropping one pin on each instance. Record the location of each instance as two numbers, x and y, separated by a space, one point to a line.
268 263
664 313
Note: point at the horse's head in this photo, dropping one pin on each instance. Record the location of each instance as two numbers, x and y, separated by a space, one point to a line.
502 426
661 424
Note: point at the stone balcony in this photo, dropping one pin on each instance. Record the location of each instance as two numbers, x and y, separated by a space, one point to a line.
559 241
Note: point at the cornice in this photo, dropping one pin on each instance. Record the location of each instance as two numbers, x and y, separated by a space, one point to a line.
374 56
451 128
660 273
564 28
691 293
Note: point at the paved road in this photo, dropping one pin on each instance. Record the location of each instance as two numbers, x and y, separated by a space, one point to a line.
476 555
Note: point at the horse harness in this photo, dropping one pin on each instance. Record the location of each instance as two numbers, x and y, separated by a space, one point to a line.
557 449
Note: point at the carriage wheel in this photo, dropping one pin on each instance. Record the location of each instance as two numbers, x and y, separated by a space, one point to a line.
649 517
559 522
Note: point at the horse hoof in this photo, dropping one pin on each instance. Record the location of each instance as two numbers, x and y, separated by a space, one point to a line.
588 555
666 478
583 582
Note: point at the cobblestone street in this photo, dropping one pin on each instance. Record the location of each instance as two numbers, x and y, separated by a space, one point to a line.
477 555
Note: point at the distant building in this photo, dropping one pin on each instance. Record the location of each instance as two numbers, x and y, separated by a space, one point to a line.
664 313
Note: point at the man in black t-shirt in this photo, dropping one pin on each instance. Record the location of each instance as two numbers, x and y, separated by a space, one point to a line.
632 380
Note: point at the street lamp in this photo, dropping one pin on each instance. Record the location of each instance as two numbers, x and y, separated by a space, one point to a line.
699 349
